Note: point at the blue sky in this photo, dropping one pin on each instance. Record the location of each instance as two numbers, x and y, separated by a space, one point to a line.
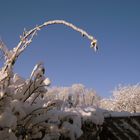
66 55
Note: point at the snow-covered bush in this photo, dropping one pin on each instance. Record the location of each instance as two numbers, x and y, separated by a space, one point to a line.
125 98
26 112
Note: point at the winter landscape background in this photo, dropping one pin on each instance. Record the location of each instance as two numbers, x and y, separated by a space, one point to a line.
58 86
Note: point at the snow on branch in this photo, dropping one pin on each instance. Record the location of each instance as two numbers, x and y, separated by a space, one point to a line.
27 38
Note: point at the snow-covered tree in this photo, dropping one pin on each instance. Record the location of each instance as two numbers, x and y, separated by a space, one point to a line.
76 95
125 98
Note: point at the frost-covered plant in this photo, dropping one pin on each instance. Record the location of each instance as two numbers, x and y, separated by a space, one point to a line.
125 98
25 112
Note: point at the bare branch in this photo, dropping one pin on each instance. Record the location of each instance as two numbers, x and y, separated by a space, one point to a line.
28 36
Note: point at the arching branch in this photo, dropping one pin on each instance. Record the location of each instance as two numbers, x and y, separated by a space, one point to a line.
27 37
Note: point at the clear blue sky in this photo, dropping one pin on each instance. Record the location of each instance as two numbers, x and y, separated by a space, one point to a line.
66 55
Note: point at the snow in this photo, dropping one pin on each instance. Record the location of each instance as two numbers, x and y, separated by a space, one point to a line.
71 130
47 82
17 109
7 119
119 114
